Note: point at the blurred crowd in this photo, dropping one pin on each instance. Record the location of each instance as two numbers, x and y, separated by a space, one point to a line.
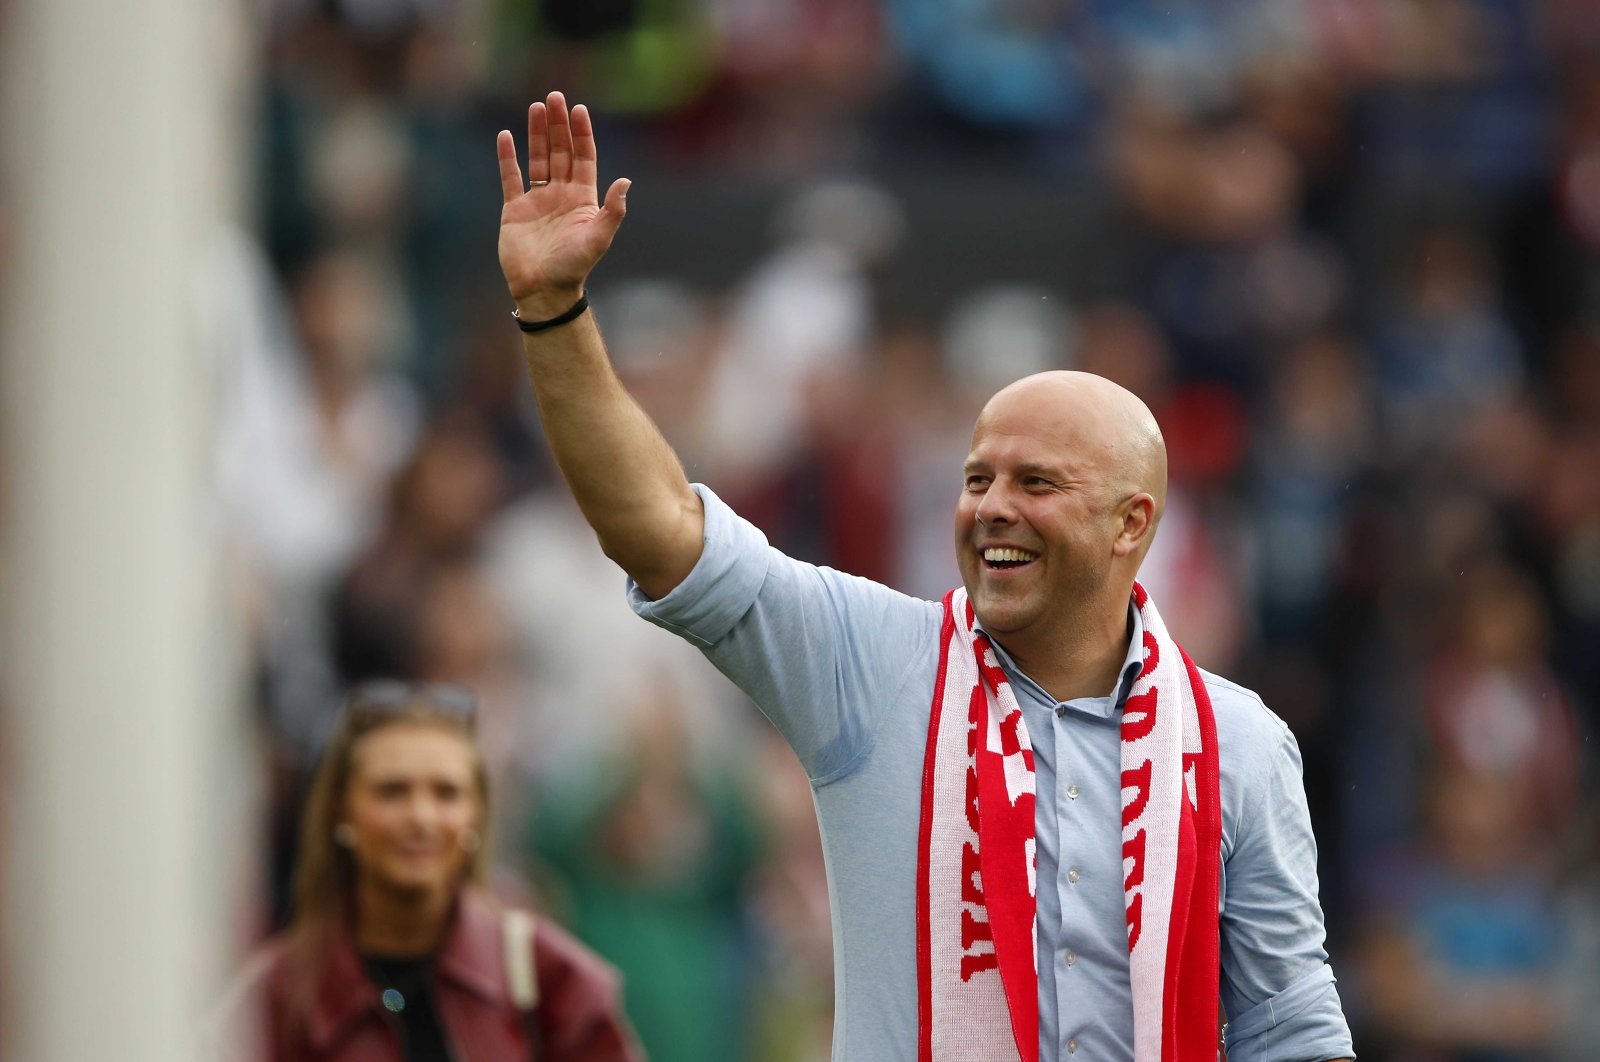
1347 250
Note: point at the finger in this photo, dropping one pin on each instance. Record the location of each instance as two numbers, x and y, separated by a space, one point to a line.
505 146
538 144
585 170
615 208
560 137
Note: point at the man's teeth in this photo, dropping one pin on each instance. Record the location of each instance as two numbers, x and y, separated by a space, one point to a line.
994 555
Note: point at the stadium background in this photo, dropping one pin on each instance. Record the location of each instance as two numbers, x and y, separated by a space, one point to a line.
1347 250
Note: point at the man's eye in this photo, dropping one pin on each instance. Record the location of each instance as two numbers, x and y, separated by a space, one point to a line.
977 482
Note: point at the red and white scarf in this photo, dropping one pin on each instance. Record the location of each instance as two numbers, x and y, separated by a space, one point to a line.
977 971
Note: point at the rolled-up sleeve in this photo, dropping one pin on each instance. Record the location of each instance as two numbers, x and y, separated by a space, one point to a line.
721 587
820 652
1277 987
1303 1023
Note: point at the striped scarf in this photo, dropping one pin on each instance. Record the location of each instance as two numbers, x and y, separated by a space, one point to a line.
977 979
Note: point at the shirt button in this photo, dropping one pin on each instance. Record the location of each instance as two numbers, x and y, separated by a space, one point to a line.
1071 957
1073 875
1072 792
1072 1046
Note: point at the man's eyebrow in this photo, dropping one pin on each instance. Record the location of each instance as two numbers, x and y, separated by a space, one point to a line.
1030 468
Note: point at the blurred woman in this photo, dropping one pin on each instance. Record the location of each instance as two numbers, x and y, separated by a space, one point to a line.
396 952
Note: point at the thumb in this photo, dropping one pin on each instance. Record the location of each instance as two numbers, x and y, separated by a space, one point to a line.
615 207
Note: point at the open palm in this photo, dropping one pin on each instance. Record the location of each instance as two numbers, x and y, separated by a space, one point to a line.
554 229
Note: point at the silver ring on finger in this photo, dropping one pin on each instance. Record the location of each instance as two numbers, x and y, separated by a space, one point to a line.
538 184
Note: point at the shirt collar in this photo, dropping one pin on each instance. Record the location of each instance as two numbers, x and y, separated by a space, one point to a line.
1133 663
1103 706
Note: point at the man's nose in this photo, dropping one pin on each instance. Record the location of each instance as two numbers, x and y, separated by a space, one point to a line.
995 508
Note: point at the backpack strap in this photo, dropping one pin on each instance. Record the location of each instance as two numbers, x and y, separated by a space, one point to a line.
517 927
517 932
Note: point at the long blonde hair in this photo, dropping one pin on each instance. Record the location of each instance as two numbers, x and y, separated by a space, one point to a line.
325 873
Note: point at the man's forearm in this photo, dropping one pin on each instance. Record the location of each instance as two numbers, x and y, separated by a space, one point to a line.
625 477
553 229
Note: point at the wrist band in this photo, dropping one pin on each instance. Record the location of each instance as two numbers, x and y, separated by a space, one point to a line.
559 319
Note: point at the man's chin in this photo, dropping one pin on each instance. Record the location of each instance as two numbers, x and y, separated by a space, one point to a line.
997 617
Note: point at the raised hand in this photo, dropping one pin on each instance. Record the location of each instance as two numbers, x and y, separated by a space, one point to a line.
554 229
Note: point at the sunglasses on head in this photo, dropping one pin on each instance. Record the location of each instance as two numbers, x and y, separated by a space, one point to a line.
383 697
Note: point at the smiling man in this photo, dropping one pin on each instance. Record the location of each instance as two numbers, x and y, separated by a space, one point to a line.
1049 834
1062 464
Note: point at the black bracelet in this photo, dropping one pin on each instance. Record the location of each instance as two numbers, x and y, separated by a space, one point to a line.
559 319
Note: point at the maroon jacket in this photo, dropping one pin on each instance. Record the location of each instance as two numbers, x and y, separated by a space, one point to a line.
579 1013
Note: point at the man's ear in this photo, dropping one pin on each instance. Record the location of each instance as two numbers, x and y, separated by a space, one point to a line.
1138 526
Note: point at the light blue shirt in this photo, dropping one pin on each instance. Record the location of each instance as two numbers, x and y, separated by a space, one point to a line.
845 667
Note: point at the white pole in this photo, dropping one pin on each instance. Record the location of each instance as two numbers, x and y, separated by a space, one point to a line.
113 665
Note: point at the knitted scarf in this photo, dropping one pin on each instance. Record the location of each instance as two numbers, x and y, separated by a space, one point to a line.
977 979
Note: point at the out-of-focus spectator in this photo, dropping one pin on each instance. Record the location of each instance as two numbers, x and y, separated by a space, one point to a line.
439 505
1565 505
632 57
794 76
1015 66
1578 176
1493 706
1314 439
806 314
1120 341
1224 182
484 382
569 625
651 852
462 637
1229 269
316 422
1465 944
803 462
1444 348
1453 86
397 949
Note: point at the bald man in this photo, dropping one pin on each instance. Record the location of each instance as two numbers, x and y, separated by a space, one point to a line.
1049 835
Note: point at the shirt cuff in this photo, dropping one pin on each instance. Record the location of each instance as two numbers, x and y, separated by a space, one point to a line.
723 584
1303 1023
